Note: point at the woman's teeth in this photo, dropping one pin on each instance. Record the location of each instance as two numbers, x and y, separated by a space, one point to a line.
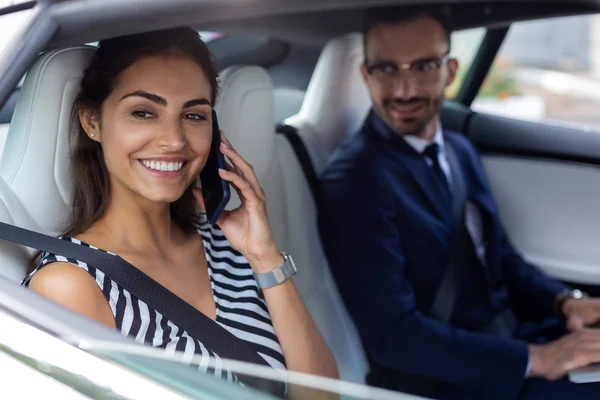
163 166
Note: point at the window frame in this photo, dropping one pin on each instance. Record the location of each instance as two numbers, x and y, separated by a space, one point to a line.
482 63
32 39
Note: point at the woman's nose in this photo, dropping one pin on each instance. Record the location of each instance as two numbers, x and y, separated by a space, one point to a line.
172 137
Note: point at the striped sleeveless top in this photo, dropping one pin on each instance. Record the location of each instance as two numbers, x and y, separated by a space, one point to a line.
239 307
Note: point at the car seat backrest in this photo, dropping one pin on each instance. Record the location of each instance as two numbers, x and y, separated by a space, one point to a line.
245 110
336 101
35 182
3 134
287 102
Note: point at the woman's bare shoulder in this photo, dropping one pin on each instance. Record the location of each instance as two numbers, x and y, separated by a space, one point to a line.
74 288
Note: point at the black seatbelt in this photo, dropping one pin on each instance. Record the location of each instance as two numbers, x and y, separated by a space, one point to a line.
182 314
445 298
291 134
504 324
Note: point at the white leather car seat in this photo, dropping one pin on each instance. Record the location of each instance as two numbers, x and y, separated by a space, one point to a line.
245 110
35 182
336 101
287 102
3 135
7 110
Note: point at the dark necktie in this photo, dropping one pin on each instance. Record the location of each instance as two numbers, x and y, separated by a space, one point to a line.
432 153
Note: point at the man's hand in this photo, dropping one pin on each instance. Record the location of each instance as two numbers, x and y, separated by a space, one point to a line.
581 313
576 350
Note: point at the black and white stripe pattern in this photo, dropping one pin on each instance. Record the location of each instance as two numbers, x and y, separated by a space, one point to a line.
239 307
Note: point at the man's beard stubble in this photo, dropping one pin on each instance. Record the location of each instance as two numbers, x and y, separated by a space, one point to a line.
419 129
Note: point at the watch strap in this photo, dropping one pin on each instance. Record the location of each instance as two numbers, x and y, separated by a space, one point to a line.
278 275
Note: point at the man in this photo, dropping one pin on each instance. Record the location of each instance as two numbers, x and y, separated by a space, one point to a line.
392 191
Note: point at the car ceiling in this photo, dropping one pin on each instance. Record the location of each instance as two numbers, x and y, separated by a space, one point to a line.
298 22
311 21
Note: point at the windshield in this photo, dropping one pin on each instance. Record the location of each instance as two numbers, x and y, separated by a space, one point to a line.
169 371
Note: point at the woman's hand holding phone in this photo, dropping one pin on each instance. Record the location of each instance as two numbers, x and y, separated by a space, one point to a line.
247 228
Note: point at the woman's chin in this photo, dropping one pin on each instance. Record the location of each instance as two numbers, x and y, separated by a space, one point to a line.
164 197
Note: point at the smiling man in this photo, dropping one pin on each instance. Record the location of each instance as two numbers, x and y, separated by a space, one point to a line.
445 306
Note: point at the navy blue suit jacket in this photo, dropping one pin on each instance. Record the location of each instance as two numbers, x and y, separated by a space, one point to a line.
388 240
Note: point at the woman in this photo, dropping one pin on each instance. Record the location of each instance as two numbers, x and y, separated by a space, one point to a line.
144 129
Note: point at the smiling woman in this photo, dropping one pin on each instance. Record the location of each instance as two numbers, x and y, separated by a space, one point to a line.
151 58
143 133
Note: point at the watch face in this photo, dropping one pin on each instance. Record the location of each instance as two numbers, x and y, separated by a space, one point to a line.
576 294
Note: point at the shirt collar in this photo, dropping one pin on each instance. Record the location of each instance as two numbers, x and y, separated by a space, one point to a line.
416 143
420 144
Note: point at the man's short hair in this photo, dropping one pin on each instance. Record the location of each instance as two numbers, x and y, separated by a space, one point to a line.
402 15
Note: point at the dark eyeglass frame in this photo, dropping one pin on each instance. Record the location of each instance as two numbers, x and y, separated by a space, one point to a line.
434 64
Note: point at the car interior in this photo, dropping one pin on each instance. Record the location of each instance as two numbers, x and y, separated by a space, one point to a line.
291 92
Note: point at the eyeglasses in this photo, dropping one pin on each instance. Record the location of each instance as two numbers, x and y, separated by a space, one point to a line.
424 71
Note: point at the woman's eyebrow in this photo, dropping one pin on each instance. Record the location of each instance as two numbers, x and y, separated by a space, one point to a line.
150 96
163 102
196 102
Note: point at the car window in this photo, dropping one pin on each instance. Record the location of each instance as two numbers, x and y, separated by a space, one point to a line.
208 36
547 70
185 377
464 46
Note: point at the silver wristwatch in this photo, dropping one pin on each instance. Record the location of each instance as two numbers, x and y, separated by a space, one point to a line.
278 275
563 296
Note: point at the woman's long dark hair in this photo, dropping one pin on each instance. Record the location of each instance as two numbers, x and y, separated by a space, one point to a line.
91 181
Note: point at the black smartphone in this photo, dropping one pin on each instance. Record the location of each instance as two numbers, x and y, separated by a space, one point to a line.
215 190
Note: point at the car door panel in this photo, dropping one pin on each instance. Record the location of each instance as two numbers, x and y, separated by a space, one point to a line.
561 141
548 208
546 181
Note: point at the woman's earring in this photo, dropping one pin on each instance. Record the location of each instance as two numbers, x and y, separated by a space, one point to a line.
92 135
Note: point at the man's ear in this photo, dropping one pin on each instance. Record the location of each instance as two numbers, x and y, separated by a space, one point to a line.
452 70
90 122
364 72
